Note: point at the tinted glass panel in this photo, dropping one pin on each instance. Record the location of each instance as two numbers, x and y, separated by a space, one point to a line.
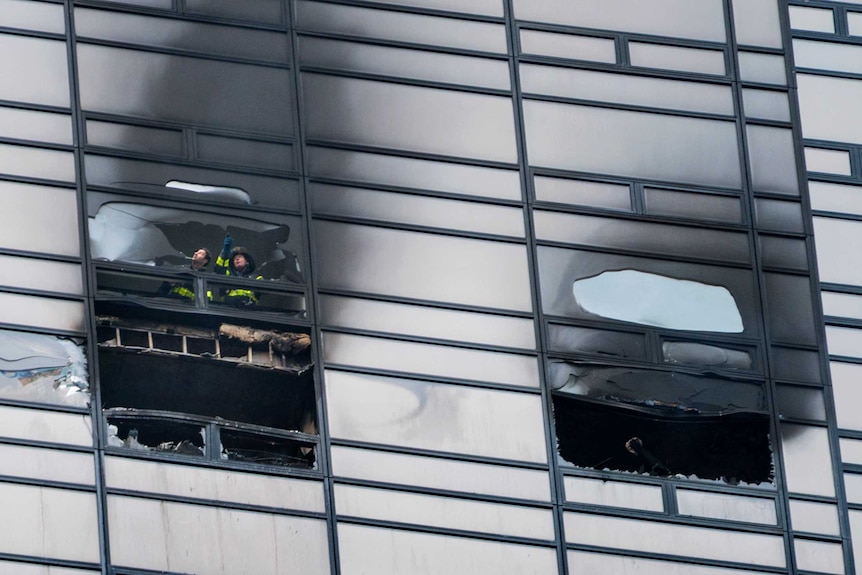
779 216
693 205
37 163
439 360
835 262
773 160
568 46
629 143
582 563
726 507
831 197
269 11
33 16
791 317
757 22
386 25
277 539
445 512
413 118
800 402
814 517
847 392
579 192
431 66
566 338
416 210
189 91
34 70
677 58
42 312
703 20
784 253
422 174
766 68
41 275
614 494
38 126
423 415
766 105
818 20
827 56
419 265
626 89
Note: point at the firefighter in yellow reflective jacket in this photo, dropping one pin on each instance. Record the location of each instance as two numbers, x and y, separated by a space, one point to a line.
236 262
185 290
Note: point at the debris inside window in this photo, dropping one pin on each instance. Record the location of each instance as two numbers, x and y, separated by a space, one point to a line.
249 389
43 369
660 301
661 422
704 356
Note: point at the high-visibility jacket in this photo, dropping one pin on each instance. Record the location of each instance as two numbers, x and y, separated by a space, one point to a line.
238 295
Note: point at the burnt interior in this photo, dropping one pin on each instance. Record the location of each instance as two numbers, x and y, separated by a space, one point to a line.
732 447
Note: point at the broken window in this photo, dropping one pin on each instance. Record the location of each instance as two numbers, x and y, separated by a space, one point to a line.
656 300
122 230
661 422
43 369
225 392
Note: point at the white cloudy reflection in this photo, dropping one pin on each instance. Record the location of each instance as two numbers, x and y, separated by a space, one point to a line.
650 299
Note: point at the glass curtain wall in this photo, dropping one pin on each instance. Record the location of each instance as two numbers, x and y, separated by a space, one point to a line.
423 286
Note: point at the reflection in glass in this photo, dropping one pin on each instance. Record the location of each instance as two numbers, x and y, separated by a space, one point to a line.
650 299
773 160
693 205
778 215
605 343
43 369
800 402
796 364
583 193
791 314
384 551
811 517
404 63
39 126
829 107
414 118
34 70
765 68
460 179
213 484
783 253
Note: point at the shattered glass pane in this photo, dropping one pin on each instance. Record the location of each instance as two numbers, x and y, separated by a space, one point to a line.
733 447
43 368
148 433
659 392
651 299
168 237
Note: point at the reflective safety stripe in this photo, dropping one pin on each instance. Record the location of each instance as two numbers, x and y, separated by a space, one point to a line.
238 293
183 291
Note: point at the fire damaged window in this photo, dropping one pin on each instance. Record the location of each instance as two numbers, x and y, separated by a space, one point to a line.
43 369
124 230
661 422
651 299
224 392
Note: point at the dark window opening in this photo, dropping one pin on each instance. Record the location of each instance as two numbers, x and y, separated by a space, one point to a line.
226 392
661 422
733 447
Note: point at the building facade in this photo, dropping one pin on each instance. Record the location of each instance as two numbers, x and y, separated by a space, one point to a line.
531 286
